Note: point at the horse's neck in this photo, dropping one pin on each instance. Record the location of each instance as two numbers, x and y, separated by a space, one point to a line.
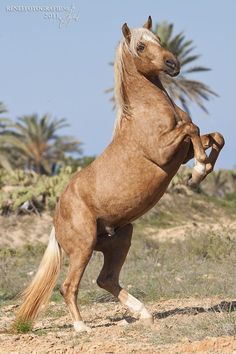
157 82
138 85
139 91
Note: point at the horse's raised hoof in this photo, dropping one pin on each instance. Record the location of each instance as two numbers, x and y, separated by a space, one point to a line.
80 326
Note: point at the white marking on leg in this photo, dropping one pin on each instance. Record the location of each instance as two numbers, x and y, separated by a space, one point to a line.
80 326
145 313
136 306
200 167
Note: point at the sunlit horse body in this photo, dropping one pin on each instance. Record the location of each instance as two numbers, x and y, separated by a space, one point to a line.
152 138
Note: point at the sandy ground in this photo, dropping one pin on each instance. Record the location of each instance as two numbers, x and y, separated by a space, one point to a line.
53 333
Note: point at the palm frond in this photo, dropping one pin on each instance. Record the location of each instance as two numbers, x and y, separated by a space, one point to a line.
195 69
186 90
37 141
3 108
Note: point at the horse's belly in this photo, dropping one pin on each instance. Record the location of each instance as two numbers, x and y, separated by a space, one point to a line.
124 187
132 199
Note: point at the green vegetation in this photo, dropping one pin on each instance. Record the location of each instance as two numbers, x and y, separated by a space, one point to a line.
24 192
201 265
29 192
186 328
22 327
33 143
16 268
4 153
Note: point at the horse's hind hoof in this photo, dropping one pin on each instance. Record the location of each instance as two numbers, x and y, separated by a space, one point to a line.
80 326
123 322
148 321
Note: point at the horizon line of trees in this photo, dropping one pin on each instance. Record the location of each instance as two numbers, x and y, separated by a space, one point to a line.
33 143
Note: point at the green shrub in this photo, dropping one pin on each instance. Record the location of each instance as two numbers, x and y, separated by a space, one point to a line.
22 326
24 192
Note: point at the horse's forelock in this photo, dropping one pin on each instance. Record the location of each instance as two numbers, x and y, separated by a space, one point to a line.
137 35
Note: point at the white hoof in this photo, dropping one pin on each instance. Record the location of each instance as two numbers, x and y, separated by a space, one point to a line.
146 321
123 323
80 326
145 317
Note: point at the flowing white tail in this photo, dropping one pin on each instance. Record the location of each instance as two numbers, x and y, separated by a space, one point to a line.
39 291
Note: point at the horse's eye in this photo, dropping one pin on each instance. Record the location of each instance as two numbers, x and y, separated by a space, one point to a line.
140 47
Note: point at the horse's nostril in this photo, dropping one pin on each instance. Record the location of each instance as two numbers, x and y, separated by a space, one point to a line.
170 63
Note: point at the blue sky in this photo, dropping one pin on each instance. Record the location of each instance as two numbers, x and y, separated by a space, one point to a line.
64 71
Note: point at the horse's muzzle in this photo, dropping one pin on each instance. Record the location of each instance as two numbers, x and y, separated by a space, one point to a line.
172 67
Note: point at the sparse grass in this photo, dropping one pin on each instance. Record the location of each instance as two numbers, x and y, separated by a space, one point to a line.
182 328
55 312
158 219
40 332
16 268
202 265
22 326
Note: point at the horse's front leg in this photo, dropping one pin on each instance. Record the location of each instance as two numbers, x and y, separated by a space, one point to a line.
170 142
216 142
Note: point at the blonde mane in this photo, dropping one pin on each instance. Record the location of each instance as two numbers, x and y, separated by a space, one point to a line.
122 107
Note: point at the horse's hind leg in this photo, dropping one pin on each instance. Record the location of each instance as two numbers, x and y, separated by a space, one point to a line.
77 238
115 250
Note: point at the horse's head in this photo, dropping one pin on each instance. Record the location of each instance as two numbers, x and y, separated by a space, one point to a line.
149 56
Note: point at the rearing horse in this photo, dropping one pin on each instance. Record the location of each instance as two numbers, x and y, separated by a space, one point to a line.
152 138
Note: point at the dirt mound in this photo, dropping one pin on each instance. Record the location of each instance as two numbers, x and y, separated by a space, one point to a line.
16 230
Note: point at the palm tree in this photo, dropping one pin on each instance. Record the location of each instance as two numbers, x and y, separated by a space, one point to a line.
3 120
181 88
4 153
37 143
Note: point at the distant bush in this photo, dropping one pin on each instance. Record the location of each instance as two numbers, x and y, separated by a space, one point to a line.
25 192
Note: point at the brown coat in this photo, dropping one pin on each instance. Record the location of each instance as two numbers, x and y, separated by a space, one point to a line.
152 138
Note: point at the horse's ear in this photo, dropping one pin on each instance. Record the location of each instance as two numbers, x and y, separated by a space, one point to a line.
148 24
126 32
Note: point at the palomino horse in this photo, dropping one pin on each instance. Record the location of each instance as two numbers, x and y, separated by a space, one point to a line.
152 138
